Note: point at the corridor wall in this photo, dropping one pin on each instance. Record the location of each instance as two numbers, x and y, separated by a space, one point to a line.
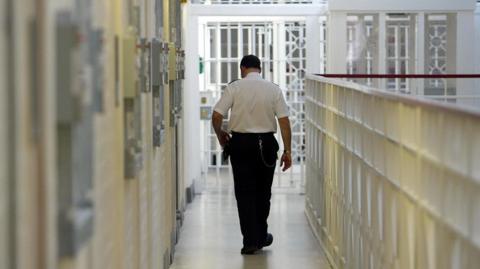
3 142
27 146
87 134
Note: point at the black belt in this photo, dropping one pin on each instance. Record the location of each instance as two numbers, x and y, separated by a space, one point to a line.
252 134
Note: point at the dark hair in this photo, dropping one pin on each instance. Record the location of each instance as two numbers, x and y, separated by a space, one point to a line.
250 61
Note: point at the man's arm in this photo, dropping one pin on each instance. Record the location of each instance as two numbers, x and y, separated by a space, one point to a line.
286 160
217 120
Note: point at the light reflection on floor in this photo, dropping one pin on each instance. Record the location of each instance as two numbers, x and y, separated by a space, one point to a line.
211 238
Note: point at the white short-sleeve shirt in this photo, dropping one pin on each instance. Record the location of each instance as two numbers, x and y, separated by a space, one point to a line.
255 104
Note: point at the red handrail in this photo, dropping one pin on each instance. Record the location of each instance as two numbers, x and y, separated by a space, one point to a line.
427 76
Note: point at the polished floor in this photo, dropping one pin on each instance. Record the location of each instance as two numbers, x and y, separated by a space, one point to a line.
211 238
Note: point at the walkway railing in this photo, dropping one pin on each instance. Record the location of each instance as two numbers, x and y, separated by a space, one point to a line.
461 89
393 181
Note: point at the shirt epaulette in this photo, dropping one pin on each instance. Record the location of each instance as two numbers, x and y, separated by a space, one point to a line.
232 81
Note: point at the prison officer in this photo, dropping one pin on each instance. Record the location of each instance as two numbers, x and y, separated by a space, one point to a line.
255 106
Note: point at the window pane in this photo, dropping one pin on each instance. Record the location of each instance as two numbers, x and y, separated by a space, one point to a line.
213 143
234 44
391 51
224 72
245 41
257 39
391 67
403 50
403 35
213 72
213 44
213 160
224 39
296 53
391 35
403 67
234 69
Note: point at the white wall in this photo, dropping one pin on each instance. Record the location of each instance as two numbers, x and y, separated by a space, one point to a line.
312 46
256 10
3 146
191 107
465 55
337 34
404 5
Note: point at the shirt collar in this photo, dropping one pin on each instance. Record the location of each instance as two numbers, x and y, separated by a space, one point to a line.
253 75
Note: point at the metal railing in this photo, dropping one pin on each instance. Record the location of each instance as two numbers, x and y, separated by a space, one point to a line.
393 181
460 89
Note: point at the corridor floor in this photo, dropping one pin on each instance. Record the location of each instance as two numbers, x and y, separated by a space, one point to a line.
211 238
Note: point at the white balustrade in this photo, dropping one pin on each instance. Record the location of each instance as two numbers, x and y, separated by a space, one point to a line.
393 181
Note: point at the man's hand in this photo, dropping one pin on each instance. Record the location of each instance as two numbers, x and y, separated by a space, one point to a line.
223 138
286 161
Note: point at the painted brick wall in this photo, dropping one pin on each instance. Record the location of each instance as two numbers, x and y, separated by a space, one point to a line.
27 155
3 144
134 218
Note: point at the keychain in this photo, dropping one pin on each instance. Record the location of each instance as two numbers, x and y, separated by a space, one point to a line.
260 144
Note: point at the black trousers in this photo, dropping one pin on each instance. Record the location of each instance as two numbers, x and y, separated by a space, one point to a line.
253 171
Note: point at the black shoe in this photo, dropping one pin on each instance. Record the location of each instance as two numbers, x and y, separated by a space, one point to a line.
268 241
248 250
